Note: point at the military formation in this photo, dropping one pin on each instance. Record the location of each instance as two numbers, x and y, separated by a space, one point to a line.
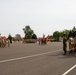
4 43
72 44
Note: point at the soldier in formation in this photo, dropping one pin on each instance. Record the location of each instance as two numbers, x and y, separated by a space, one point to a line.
4 42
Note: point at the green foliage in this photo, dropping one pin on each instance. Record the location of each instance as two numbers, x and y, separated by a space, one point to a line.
74 31
10 38
68 33
34 36
56 35
18 36
28 32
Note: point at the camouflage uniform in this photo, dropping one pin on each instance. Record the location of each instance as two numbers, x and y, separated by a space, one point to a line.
75 43
64 45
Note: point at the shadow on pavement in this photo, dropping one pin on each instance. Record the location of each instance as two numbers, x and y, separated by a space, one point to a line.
61 56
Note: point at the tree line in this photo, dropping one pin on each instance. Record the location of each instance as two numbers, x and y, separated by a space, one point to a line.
68 33
29 33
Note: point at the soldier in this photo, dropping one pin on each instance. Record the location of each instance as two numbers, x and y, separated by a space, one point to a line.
75 43
8 42
64 44
71 44
39 41
0 42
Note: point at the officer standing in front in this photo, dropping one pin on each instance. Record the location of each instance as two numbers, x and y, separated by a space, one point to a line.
64 44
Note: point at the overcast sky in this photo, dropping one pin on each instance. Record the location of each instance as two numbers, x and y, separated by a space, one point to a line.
43 16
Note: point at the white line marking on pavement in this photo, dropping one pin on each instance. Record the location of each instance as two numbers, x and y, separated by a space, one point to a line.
69 70
14 59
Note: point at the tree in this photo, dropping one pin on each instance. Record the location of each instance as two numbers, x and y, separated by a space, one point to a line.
28 32
66 32
18 36
56 35
74 31
60 33
10 38
34 36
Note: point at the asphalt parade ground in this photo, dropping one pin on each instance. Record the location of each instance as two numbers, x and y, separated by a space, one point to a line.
35 59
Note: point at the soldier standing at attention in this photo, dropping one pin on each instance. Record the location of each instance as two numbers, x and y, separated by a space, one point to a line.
75 43
64 44
8 42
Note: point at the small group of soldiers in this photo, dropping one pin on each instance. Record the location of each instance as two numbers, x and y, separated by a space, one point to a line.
72 44
4 42
42 41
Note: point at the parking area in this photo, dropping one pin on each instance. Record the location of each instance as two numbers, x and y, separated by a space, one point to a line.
35 59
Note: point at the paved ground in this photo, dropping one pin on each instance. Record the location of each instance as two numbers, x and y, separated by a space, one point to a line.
34 59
